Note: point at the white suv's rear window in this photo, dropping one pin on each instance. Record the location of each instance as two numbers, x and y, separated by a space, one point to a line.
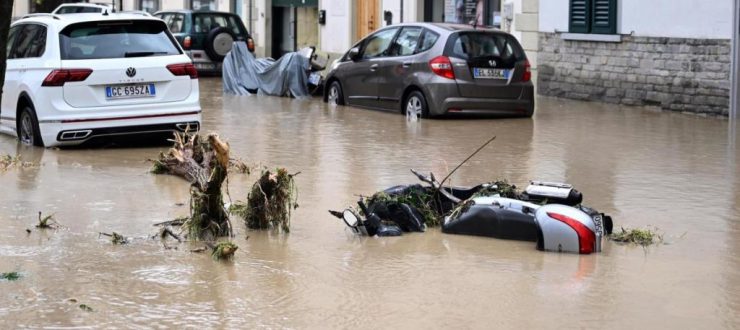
116 39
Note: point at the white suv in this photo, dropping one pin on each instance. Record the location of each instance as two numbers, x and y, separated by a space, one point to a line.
72 78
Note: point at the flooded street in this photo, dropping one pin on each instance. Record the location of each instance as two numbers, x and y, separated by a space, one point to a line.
674 172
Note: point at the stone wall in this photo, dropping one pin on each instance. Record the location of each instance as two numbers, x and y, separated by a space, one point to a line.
686 75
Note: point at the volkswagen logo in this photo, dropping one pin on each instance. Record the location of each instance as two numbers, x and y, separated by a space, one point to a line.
492 62
131 72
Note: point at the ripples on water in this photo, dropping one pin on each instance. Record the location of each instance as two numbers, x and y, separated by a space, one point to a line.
670 171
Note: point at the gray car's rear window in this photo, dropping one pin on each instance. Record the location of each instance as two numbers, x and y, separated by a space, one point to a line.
472 45
116 39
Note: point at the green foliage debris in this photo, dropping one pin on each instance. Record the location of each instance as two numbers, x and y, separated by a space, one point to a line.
638 236
224 251
47 222
11 276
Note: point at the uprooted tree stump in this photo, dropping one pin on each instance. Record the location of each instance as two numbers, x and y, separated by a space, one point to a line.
203 162
270 202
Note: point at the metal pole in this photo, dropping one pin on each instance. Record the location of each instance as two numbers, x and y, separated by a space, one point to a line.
401 18
735 83
735 71
251 29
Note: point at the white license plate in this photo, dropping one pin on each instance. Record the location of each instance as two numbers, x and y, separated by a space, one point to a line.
314 78
488 73
204 66
126 91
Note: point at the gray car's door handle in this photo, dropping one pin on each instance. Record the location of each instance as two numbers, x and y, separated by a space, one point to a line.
407 64
373 67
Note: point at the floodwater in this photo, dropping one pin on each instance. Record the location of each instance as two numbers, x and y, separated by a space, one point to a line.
674 172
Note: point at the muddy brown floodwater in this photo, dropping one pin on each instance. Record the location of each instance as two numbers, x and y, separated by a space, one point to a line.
671 171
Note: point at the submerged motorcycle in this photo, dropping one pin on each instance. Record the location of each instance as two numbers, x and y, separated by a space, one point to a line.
317 64
550 214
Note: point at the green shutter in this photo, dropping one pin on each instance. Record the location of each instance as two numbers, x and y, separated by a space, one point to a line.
580 16
604 17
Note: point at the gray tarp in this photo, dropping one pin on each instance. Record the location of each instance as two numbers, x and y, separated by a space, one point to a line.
243 72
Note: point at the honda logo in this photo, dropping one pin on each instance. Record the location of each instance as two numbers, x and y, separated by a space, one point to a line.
131 72
492 63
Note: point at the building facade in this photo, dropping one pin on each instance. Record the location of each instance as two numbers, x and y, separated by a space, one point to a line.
636 52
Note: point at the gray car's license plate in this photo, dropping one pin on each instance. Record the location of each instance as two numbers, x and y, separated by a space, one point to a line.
488 73
126 91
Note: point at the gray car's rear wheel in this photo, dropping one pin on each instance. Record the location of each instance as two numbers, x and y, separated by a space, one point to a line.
27 128
415 106
335 96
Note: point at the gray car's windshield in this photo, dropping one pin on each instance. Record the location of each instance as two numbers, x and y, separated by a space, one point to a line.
116 39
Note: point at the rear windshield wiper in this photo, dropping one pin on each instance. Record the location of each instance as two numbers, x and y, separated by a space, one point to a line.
142 54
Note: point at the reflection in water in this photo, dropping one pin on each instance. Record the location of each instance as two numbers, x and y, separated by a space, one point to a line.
671 171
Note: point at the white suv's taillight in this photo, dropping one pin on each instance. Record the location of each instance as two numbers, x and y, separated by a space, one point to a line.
442 66
60 76
183 69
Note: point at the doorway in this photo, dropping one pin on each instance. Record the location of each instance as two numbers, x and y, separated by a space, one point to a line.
367 13
283 30
294 25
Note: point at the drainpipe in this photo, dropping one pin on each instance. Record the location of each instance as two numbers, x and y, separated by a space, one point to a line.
401 18
735 71
251 29
735 84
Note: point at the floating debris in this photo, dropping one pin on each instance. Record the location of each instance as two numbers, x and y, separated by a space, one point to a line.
224 251
271 201
11 276
86 308
7 162
199 250
116 238
239 209
47 222
179 221
239 166
642 237
420 199
166 231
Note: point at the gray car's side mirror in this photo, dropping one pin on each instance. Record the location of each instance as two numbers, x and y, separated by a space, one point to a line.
354 53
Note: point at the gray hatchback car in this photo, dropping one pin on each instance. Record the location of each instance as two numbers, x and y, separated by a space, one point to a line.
433 69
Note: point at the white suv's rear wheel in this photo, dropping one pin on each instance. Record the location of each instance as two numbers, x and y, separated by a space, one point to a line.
28 128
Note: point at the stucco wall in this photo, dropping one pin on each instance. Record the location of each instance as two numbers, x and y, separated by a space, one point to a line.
336 35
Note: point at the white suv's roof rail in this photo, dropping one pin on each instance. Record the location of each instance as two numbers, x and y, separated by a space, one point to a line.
42 15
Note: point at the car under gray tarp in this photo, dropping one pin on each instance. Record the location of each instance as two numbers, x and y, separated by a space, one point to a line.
243 73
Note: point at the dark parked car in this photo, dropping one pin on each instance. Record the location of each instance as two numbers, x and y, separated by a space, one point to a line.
206 36
431 69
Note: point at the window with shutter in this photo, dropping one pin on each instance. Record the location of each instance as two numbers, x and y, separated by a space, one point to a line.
593 16
604 17
580 16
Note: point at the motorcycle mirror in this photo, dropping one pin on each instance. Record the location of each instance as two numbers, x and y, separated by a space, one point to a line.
350 218
354 53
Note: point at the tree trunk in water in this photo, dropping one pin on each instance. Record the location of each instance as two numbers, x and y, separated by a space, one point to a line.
204 163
